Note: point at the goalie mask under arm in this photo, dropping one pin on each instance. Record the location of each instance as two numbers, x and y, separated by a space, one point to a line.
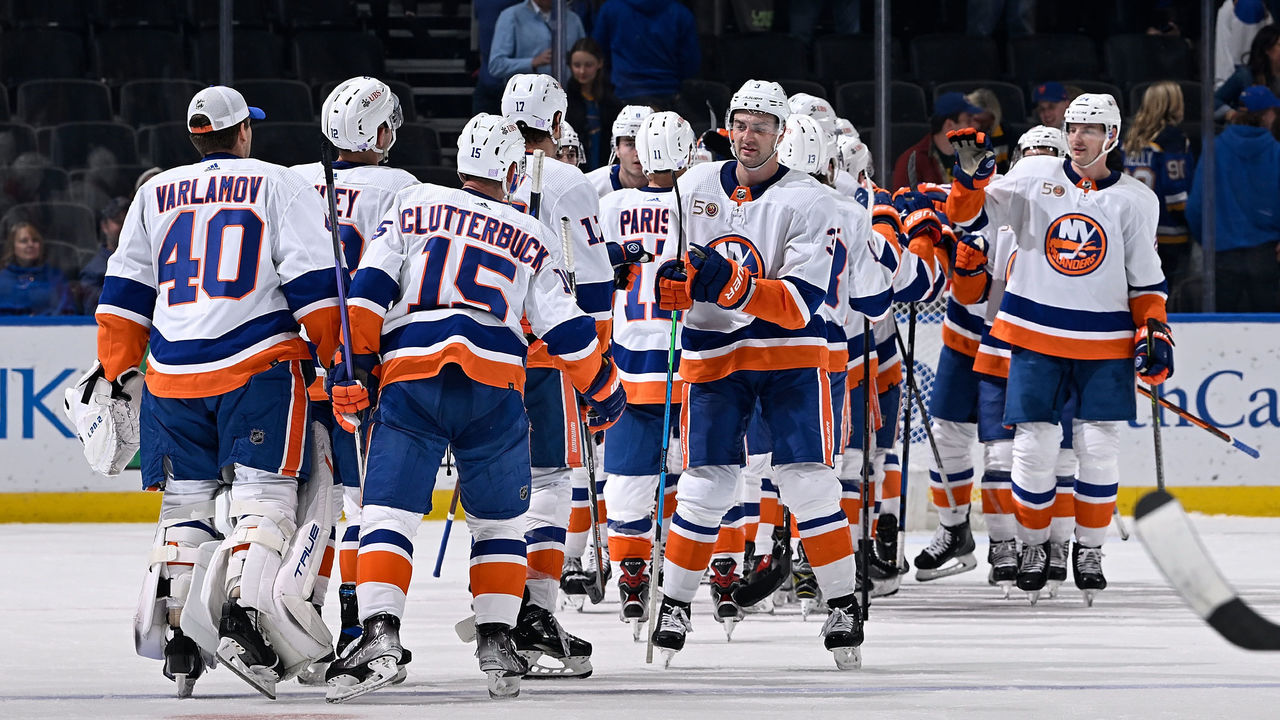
106 417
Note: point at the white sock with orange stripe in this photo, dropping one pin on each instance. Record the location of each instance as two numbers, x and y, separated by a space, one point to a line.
770 510
544 534
1035 451
630 502
997 490
349 547
385 564
498 569
812 493
1097 446
705 494
955 443
890 501
579 528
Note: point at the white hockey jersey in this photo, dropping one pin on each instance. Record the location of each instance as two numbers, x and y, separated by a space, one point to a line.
605 179
447 278
778 230
219 261
1087 270
861 280
362 194
641 329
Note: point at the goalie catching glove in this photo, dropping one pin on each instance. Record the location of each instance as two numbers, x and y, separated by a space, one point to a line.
105 415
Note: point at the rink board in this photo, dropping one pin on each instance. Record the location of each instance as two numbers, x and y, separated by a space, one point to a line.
1228 372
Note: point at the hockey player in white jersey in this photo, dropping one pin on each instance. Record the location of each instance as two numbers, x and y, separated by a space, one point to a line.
820 110
437 308
569 148
760 243
641 340
359 118
626 172
233 249
1086 276
536 104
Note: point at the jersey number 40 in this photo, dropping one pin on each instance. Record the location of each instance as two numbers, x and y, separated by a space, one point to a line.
178 264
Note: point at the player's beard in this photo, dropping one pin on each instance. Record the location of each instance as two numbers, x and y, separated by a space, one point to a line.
737 155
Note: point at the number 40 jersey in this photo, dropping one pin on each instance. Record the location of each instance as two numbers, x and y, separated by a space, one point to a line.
218 263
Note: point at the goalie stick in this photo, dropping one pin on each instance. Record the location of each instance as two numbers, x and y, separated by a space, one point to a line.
1174 547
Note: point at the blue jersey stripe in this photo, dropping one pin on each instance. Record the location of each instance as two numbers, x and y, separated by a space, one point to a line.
191 352
128 294
1065 319
376 286
428 333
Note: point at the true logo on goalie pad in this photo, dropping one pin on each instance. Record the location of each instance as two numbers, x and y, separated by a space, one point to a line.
301 567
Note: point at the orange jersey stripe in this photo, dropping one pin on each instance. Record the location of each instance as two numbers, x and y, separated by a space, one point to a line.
652 393
837 360
1056 346
121 344
482 370
991 364
752 358
217 382
958 342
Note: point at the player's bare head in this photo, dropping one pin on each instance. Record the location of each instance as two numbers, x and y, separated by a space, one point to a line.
218 119
1092 127
536 104
756 117
362 115
665 144
490 154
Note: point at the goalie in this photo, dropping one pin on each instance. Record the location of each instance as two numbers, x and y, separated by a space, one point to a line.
218 263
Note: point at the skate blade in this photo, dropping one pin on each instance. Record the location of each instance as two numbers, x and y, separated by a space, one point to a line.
345 687
1006 586
1051 588
574 601
961 564
885 587
186 684
264 680
313 675
764 607
729 624
503 684
1033 596
637 628
807 606
573 666
848 658
1089 595
667 656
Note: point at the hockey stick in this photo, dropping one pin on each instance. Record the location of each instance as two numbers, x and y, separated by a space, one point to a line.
659 508
1173 545
327 154
925 422
453 511
535 183
1124 532
1153 325
1198 422
584 435
864 542
909 357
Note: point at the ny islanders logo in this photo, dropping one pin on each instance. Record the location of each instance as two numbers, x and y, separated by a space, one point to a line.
1075 244
739 250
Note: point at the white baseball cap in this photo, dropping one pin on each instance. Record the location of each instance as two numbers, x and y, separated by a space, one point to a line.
223 106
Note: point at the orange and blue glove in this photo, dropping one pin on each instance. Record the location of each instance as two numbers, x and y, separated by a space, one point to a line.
672 288
975 158
625 258
971 255
718 279
919 219
351 397
1153 352
605 397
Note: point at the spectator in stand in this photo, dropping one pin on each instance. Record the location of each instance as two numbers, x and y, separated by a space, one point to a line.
110 220
804 16
652 46
991 122
488 95
1158 153
522 42
1247 207
931 159
1050 101
1238 22
592 106
1263 68
984 15
28 284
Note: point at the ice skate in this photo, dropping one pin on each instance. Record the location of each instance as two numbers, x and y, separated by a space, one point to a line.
1086 566
887 543
538 634
673 625
950 552
349 616
313 674
1058 552
764 575
573 584
724 580
1003 556
805 584
499 660
592 585
885 579
1033 569
633 589
245 652
183 663
842 632
370 663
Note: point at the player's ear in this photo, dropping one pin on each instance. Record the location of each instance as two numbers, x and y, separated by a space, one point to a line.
555 125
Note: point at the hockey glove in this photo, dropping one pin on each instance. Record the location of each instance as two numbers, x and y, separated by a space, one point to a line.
350 397
605 398
624 258
672 288
1153 352
975 158
936 193
718 279
918 217
971 255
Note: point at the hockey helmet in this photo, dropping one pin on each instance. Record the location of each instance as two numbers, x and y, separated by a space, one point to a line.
760 96
537 101
1043 136
664 143
815 107
487 147
569 139
355 110
1095 108
802 147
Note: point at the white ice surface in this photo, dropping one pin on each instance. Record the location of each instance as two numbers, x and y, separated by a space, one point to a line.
951 648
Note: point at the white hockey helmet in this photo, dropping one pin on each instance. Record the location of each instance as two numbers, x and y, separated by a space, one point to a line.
1095 108
760 96
628 122
1043 136
854 157
535 101
569 139
815 107
802 147
846 128
487 147
354 111
665 143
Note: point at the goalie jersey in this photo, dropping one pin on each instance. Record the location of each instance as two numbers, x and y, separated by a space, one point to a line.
781 229
1087 272
218 263
447 278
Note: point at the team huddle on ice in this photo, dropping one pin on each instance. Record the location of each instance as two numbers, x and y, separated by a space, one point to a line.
725 327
